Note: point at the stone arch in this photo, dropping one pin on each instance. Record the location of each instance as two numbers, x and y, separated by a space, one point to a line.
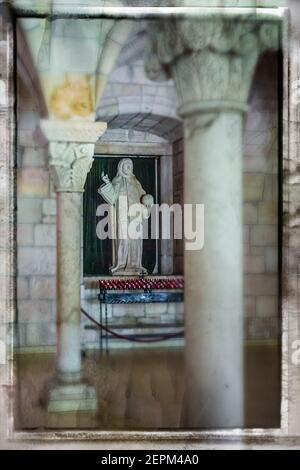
132 101
166 127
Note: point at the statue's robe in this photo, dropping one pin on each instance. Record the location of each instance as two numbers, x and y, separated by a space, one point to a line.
127 253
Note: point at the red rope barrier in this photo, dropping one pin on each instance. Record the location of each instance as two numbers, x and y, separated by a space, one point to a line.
127 338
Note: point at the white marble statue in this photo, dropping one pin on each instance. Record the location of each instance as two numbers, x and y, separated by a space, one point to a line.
125 188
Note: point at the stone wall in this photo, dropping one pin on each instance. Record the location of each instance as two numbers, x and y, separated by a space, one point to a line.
36 226
129 319
36 221
37 231
261 183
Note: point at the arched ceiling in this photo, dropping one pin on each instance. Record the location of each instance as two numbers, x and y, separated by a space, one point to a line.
168 128
132 101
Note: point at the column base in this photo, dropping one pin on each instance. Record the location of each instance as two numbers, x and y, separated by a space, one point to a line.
65 398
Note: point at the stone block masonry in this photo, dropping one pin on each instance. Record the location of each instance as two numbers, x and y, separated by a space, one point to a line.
36 260
36 217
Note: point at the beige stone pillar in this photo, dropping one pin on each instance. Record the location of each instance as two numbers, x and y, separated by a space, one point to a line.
212 61
71 146
214 275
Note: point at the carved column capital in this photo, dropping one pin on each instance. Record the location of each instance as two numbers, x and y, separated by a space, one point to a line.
71 146
69 165
211 58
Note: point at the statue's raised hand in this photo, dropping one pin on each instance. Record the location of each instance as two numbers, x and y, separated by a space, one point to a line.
104 177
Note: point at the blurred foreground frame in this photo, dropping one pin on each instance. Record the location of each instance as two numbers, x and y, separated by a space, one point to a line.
161 56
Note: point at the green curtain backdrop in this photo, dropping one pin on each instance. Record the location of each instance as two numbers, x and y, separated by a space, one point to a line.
97 254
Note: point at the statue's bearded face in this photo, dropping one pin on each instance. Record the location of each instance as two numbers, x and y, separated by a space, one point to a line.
127 168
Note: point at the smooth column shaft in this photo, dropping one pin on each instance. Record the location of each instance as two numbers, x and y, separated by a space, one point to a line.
214 276
68 285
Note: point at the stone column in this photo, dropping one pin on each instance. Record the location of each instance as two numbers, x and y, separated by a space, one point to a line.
212 61
71 146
